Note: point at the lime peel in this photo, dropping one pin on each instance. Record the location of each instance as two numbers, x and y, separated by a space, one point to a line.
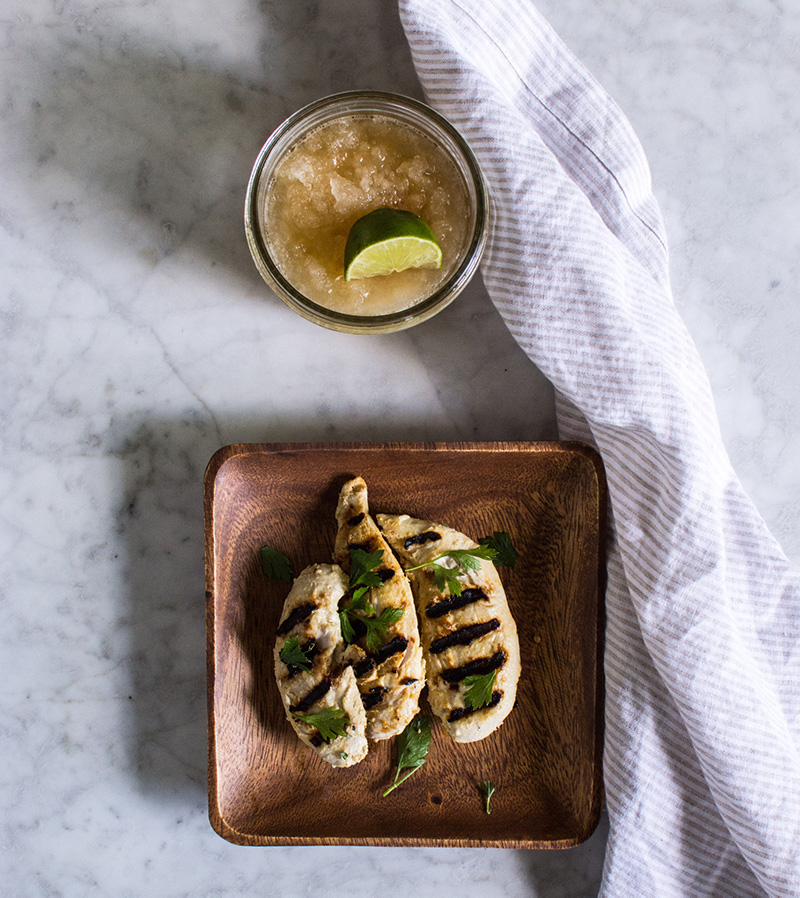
388 240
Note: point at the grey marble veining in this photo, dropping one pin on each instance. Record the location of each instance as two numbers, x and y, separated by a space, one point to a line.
137 338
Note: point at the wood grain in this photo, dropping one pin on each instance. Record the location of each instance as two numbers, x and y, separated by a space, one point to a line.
266 788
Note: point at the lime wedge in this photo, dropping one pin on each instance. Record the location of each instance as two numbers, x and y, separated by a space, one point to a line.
388 240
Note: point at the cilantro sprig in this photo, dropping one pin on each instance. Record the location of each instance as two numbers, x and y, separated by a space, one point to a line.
505 553
498 549
359 609
362 571
447 577
330 723
294 656
480 689
377 626
356 610
412 749
276 565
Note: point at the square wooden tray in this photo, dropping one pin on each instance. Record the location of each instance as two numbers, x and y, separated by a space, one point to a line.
267 788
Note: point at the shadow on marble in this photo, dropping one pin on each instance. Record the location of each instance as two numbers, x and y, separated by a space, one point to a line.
146 136
154 154
160 524
146 153
575 872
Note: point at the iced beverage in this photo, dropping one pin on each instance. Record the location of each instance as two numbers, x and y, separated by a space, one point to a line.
338 173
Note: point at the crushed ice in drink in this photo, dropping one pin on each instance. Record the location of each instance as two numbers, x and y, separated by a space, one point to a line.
340 172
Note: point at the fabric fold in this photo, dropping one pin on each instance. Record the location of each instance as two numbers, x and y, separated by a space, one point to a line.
702 757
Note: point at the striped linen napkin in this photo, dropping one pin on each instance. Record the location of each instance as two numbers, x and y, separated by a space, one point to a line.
702 661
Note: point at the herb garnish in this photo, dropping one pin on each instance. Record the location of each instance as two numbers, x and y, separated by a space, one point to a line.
498 549
362 579
479 690
330 722
292 655
276 565
362 571
506 555
464 559
487 787
412 747
377 626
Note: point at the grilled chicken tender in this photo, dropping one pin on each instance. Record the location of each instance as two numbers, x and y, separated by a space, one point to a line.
391 679
311 614
462 636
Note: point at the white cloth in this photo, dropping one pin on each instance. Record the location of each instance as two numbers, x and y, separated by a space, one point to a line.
702 660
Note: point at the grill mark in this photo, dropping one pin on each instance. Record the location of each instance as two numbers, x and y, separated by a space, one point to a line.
407 681
429 536
311 651
363 667
476 668
373 697
461 713
316 740
453 603
366 546
359 627
397 645
385 574
356 519
464 636
299 614
312 697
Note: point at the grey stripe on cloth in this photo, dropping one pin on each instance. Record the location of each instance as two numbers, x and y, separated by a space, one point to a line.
702 754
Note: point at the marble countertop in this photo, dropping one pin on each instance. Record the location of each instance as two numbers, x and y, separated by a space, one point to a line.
138 338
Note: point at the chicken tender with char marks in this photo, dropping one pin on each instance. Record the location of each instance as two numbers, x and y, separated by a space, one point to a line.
391 677
318 681
468 635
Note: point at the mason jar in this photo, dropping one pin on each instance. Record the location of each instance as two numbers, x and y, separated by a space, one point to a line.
337 159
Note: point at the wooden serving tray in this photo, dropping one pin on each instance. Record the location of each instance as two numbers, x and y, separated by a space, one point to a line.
267 788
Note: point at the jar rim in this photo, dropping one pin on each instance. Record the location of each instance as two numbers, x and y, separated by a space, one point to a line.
314 115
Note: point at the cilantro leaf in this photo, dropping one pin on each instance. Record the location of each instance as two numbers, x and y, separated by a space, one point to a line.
412 749
468 559
276 565
329 722
291 654
479 690
377 626
358 593
348 633
362 568
488 789
360 603
363 578
448 578
506 555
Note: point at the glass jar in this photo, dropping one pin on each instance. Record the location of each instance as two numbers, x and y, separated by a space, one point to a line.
409 114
